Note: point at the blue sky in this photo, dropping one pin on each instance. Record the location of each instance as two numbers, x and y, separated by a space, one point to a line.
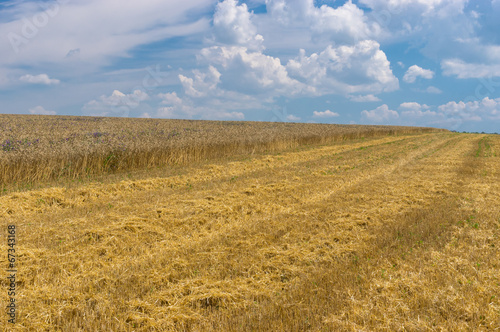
401 62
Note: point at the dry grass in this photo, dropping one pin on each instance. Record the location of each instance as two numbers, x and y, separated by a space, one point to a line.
387 233
39 148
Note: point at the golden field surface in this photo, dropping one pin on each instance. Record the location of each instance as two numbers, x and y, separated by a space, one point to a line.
35 148
385 233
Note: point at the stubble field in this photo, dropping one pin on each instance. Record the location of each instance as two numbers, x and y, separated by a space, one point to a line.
395 232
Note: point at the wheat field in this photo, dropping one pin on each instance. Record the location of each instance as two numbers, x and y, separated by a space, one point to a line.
372 232
38 148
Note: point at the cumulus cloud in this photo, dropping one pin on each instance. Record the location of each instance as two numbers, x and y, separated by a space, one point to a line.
325 114
476 110
39 79
190 109
345 69
411 114
240 75
413 106
117 102
293 118
202 83
345 21
381 114
229 115
415 71
166 112
233 25
206 102
433 89
413 110
344 24
361 68
431 26
118 98
364 99
170 98
42 111
239 67
245 71
450 115
339 53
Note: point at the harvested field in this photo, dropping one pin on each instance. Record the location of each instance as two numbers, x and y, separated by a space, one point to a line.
36 148
396 232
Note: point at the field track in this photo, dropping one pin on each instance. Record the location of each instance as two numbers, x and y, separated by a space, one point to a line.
388 233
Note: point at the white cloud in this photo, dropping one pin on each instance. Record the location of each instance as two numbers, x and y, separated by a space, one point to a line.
230 115
39 79
345 69
461 69
413 106
424 7
433 89
418 114
189 109
450 115
117 102
325 114
381 114
41 110
465 111
415 114
202 83
344 24
473 110
246 61
170 98
239 68
411 114
166 112
413 110
287 11
415 71
431 26
211 103
472 58
364 99
233 25
246 72
99 29
118 98
428 24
